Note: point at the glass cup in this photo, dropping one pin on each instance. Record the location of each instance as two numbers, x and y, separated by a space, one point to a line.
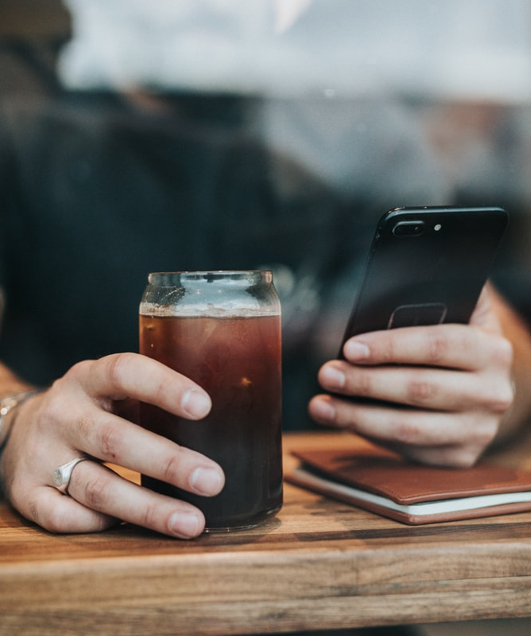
221 329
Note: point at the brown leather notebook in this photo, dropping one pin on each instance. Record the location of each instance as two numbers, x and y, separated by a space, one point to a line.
383 482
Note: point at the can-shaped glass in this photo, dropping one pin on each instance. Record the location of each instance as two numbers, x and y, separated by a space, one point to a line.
222 329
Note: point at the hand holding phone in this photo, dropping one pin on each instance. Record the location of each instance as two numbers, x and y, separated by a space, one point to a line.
426 266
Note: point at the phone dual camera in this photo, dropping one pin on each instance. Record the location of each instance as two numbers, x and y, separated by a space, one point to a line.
413 228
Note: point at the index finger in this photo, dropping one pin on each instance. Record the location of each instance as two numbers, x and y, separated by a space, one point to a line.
449 346
133 375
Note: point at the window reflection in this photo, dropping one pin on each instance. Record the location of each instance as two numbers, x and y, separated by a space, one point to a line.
284 126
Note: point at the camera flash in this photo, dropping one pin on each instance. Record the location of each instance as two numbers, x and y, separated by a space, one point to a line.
437 227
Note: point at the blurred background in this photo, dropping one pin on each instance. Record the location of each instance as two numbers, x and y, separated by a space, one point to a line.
453 76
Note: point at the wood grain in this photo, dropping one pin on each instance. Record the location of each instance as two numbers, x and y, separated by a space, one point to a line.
320 564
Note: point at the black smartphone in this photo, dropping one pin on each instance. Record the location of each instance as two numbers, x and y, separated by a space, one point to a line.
426 266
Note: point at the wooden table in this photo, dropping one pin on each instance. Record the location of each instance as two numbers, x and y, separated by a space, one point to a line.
319 565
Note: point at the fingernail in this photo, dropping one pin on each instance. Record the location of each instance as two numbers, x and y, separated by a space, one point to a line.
333 377
323 410
356 350
186 524
196 404
206 481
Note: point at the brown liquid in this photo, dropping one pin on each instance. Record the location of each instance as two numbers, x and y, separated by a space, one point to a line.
237 361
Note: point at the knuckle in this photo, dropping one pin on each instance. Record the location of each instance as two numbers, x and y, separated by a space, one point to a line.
96 493
79 368
499 399
109 441
170 469
360 383
419 392
406 432
160 392
119 371
149 516
437 348
117 366
54 521
73 379
56 414
58 403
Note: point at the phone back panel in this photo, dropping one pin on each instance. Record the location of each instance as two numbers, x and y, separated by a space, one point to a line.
426 266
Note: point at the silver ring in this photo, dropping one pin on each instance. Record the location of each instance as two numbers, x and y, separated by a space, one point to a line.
62 474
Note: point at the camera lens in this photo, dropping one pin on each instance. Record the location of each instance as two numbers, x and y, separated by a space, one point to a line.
408 228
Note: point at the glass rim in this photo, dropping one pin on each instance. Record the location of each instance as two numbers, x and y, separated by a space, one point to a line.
203 272
210 275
